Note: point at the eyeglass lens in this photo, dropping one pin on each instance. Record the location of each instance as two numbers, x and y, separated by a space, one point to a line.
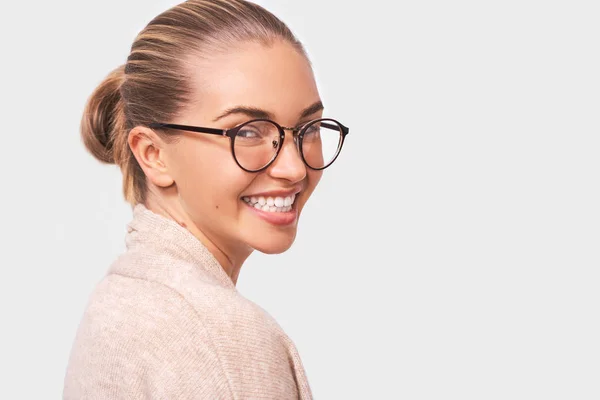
256 144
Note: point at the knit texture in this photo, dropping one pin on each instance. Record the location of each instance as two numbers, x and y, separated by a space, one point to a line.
166 322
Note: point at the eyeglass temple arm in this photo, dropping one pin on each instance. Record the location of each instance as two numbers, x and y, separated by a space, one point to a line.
212 131
345 130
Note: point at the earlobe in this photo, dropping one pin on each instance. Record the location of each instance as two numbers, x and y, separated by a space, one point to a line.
148 149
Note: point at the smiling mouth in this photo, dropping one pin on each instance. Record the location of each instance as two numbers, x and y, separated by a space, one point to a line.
271 204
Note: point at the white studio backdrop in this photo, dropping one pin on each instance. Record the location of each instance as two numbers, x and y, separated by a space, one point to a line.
450 253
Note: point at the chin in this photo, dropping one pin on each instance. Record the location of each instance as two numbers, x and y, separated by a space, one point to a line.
273 245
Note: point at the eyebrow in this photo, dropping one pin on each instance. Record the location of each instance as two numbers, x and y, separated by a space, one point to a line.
254 112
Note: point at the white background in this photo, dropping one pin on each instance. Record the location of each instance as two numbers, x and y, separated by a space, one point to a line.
450 253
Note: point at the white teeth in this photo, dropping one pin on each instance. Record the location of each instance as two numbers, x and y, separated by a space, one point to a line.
271 204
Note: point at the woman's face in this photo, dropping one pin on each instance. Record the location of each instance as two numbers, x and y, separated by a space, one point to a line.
278 82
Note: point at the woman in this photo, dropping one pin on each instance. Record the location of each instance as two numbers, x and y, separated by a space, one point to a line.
217 125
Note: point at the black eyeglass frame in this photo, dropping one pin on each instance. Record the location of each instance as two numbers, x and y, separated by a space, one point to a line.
232 133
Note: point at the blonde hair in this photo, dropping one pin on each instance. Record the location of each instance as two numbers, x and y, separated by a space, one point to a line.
153 84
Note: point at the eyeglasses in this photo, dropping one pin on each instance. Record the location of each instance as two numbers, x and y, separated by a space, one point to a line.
255 144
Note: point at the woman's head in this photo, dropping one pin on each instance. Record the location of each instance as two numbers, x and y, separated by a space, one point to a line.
216 64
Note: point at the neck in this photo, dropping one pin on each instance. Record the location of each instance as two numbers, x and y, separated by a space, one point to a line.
229 257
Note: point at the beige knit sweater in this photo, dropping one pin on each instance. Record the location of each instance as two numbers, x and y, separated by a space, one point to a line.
167 322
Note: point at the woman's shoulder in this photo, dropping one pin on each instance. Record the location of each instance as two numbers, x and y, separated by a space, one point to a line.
131 330
120 301
127 314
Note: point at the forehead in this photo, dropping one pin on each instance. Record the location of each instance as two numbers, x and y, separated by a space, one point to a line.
277 78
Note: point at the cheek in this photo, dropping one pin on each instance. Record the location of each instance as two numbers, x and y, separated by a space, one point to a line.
314 177
312 180
208 178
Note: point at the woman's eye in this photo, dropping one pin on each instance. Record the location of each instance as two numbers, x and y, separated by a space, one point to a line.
312 129
247 133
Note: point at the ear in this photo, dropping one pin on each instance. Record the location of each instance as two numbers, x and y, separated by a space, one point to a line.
149 151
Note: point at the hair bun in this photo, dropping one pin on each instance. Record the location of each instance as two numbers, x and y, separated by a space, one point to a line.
104 117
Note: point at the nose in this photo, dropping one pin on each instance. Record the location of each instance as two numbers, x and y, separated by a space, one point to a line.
289 165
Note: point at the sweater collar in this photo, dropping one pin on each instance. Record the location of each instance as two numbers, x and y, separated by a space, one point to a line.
158 234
